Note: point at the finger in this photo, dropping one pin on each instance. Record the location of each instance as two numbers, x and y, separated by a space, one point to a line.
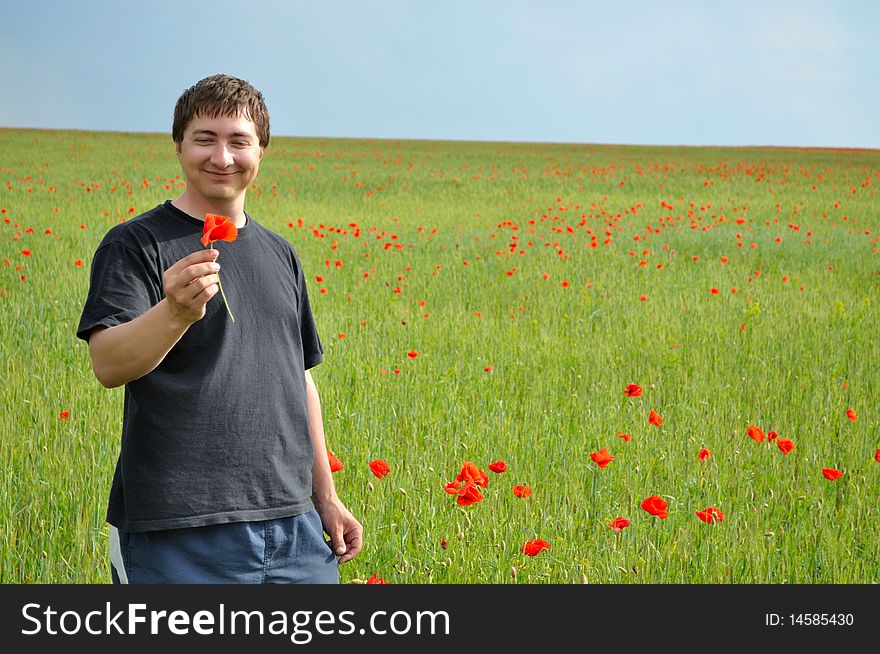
336 541
353 539
191 273
200 256
197 286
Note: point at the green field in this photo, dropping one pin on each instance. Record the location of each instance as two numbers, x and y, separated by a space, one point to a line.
516 272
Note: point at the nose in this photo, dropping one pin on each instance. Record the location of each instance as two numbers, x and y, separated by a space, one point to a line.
221 156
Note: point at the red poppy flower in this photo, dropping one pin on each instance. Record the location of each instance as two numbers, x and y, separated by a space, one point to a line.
498 466
785 445
335 464
470 472
602 457
852 415
535 547
710 515
772 435
376 579
379 468
443 542
469 494
218 228
832 473
453 487
525 491
488 369
877 456
64 415
26 253
412 354
655 506
655 418
625 437
618 524
633 390
78 263
704 454
755 434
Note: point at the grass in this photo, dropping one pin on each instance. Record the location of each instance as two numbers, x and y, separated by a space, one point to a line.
789 351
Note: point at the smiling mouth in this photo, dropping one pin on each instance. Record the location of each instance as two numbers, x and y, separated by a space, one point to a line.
216 174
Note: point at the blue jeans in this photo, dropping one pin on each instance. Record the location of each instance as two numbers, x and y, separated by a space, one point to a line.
284 551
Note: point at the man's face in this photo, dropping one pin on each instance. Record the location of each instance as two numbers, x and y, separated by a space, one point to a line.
220 156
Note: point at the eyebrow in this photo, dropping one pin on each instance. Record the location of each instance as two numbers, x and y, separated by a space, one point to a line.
210 132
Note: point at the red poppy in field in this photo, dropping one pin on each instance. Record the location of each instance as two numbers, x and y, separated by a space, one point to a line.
469 494
535 547
380 468
524 491
755 434
335 464
618 524
218 228
488 369
453 487
443 542
772 435
655 419
625 437
602 457
655 506
714 291
78 263
832 473
471 472
412 354
710 515
852 415
704 454
785 444
633 390
877 456
498 466
376 579
26 253
64 415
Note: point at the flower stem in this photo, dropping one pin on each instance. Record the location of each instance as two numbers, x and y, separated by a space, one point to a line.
225 301
219 283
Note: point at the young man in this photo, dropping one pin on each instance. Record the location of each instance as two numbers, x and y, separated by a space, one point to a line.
223 475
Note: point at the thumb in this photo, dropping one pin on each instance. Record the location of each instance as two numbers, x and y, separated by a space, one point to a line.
336 540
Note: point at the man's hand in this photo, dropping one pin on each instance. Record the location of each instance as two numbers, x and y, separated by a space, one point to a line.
129 351
190 283
345 532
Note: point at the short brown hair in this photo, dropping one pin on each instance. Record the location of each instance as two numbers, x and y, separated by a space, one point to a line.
221 95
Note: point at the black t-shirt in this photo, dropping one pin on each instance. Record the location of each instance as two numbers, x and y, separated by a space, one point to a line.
218 431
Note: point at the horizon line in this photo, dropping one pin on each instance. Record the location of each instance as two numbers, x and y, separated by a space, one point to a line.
476 141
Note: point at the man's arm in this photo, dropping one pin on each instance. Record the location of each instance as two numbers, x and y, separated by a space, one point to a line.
126 352
345 532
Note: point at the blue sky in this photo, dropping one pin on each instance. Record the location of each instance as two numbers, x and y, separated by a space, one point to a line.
665 72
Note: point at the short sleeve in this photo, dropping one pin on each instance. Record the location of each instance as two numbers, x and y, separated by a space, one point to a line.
121 288
313 351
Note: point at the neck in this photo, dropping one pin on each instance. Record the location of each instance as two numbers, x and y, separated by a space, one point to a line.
197 207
